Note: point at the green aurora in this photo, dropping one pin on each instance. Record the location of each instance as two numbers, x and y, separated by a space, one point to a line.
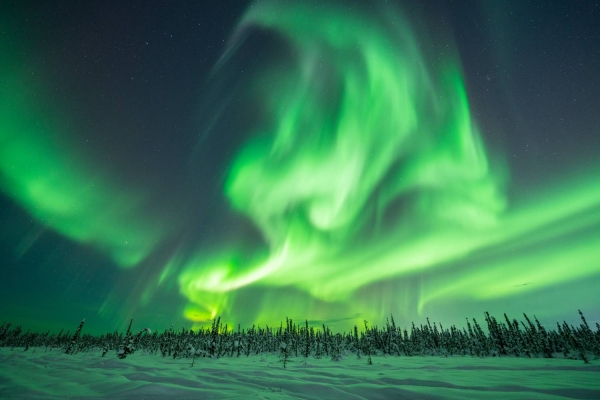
324 179
59 187
369 181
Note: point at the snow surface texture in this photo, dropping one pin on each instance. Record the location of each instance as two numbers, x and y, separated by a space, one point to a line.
53 374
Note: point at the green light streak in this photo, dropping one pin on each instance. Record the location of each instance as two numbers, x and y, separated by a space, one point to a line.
396 130
371 168
55 183
308 186
571 214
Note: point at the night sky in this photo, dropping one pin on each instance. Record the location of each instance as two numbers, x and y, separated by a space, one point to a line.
332 161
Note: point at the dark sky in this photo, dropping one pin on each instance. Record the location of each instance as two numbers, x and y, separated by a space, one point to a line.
164 109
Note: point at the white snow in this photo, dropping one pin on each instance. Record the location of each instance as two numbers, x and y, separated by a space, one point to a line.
54 374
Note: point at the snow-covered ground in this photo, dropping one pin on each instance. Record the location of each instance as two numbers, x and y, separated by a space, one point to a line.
53 374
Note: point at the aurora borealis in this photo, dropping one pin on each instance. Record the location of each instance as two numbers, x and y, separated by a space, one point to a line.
336 161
